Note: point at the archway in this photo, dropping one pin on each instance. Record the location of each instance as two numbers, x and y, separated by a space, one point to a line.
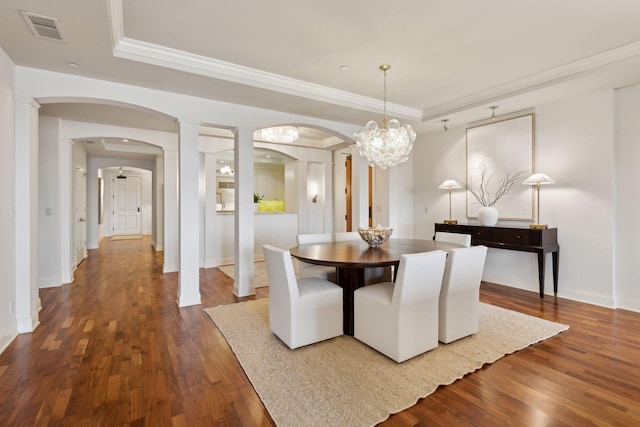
96 135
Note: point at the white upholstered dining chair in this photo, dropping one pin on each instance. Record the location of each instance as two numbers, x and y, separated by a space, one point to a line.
401 320
346 235
457 238
459 306
304 311
304 239
311 270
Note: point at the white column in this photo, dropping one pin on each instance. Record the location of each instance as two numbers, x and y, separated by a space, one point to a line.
159 207
189 164
202 213
209 210
170 211
244 228
26 215
67 217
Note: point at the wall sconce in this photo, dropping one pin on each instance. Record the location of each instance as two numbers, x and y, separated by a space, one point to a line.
314 199
537 179
450 184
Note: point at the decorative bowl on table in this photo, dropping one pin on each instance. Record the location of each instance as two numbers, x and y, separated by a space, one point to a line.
375 236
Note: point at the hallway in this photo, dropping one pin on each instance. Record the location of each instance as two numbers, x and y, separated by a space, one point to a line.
113 349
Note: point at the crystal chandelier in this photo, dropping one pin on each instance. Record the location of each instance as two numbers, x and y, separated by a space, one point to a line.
389 145
281 134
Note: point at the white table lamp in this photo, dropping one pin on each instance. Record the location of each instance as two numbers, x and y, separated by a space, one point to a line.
538 179
450 184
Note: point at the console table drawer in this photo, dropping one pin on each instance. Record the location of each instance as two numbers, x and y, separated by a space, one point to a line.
517 237
481 234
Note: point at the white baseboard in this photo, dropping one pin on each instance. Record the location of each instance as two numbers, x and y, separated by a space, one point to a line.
628 304
189 300
168 268
68 279
49 282
589 298
28 324
7 335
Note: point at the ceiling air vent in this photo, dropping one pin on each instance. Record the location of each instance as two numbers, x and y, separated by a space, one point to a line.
43 26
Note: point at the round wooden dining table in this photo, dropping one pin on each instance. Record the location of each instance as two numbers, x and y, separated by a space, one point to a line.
352 257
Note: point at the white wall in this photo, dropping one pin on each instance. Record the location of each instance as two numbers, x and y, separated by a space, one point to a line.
49 271
575 144
315 186
277 229
8 326
400 206
627 199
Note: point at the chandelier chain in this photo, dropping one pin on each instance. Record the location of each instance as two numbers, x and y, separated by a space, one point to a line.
384 108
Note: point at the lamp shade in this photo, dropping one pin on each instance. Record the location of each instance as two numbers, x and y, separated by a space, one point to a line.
538 178
450 184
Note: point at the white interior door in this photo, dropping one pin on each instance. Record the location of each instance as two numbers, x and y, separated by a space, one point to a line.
81 213
126 200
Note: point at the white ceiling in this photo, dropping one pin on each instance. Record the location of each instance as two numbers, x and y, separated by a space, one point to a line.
449 58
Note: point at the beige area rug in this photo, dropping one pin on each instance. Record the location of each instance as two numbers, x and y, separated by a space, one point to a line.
259 275
342 382
128 237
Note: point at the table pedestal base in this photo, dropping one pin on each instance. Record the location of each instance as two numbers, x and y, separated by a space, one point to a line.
349 279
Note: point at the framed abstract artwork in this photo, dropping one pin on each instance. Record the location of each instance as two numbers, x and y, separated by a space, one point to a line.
498 152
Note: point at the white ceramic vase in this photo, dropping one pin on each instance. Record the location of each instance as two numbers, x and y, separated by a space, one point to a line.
488 216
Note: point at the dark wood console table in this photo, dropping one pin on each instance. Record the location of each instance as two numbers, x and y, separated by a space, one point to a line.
516 239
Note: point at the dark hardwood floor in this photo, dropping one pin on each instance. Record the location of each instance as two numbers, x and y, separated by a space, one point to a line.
113 349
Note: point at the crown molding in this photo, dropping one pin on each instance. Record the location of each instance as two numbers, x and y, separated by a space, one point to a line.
115 13
149 53
162 56
536 81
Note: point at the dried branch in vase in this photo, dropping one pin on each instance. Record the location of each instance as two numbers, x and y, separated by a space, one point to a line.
482 193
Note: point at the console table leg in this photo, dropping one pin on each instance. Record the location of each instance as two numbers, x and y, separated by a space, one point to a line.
555 256
541 272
